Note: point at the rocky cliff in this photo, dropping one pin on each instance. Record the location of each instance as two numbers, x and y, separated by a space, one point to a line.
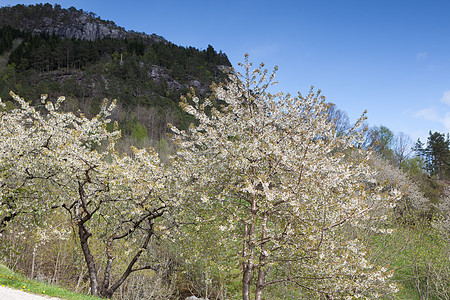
66 23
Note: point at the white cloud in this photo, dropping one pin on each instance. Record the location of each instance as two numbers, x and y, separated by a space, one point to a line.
419 134
438 113
422 56
431 114
446 121
262 51
446 97
428 114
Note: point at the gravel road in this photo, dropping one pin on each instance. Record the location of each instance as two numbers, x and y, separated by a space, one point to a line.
11 294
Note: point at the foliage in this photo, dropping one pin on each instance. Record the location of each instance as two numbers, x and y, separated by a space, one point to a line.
137 69
69 161
270 172
21 15
436 154
419 255
7 36
380 139
139 132
413 205
18 281
49 53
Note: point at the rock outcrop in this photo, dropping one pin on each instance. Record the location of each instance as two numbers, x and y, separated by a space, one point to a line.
82 27
66 23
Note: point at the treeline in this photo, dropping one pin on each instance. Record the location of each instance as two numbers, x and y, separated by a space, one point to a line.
436 155
137 71
44 52
432 159
145 73
427 165
34 14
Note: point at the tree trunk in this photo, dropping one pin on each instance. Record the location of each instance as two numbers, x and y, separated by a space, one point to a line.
84 235
54 281
108 292
248 252
247 268
107 276
79 279
33 261
260 283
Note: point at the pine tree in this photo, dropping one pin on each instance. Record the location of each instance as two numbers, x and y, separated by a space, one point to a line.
438 155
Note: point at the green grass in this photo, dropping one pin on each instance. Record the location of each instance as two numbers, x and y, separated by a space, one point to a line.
14 280
419 256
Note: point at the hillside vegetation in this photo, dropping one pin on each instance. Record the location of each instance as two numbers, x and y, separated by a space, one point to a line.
145 73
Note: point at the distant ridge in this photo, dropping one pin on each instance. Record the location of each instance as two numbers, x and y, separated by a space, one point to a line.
65 23
45 49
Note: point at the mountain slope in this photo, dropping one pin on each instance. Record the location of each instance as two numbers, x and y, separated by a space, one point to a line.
65 23
73 53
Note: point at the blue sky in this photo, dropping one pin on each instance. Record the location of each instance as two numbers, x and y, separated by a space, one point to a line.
389 57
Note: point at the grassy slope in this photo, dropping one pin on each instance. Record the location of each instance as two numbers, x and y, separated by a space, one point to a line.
420 259
14 280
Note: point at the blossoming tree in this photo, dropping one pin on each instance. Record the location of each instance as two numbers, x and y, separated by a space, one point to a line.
51 159
277 180
21 143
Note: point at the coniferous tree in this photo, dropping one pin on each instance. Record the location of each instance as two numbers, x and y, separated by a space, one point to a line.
438 155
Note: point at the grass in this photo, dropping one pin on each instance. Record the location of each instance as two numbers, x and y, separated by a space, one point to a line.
420 259
14 280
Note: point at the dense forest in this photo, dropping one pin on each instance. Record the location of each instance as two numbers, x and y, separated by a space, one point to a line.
137 69
199 183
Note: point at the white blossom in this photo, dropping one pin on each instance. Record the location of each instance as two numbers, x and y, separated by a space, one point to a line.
275 166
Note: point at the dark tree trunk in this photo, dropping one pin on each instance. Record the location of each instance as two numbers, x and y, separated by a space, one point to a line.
261 281
84 235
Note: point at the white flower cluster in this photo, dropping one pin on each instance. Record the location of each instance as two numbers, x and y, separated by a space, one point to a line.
276 166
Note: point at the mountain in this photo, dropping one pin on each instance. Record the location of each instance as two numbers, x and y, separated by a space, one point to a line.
46 49
65 23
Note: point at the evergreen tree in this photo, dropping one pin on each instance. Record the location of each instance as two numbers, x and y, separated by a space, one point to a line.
438 155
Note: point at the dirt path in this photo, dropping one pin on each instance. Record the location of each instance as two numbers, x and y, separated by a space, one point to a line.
11 294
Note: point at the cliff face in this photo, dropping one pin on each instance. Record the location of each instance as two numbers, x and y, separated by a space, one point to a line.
81 27
66 23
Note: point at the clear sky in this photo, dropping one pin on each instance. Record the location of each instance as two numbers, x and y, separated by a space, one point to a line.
391 57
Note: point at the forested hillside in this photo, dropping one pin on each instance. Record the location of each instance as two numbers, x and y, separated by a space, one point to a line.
138 70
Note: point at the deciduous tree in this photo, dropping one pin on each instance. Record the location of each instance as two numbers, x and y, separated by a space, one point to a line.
58 159
272 174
